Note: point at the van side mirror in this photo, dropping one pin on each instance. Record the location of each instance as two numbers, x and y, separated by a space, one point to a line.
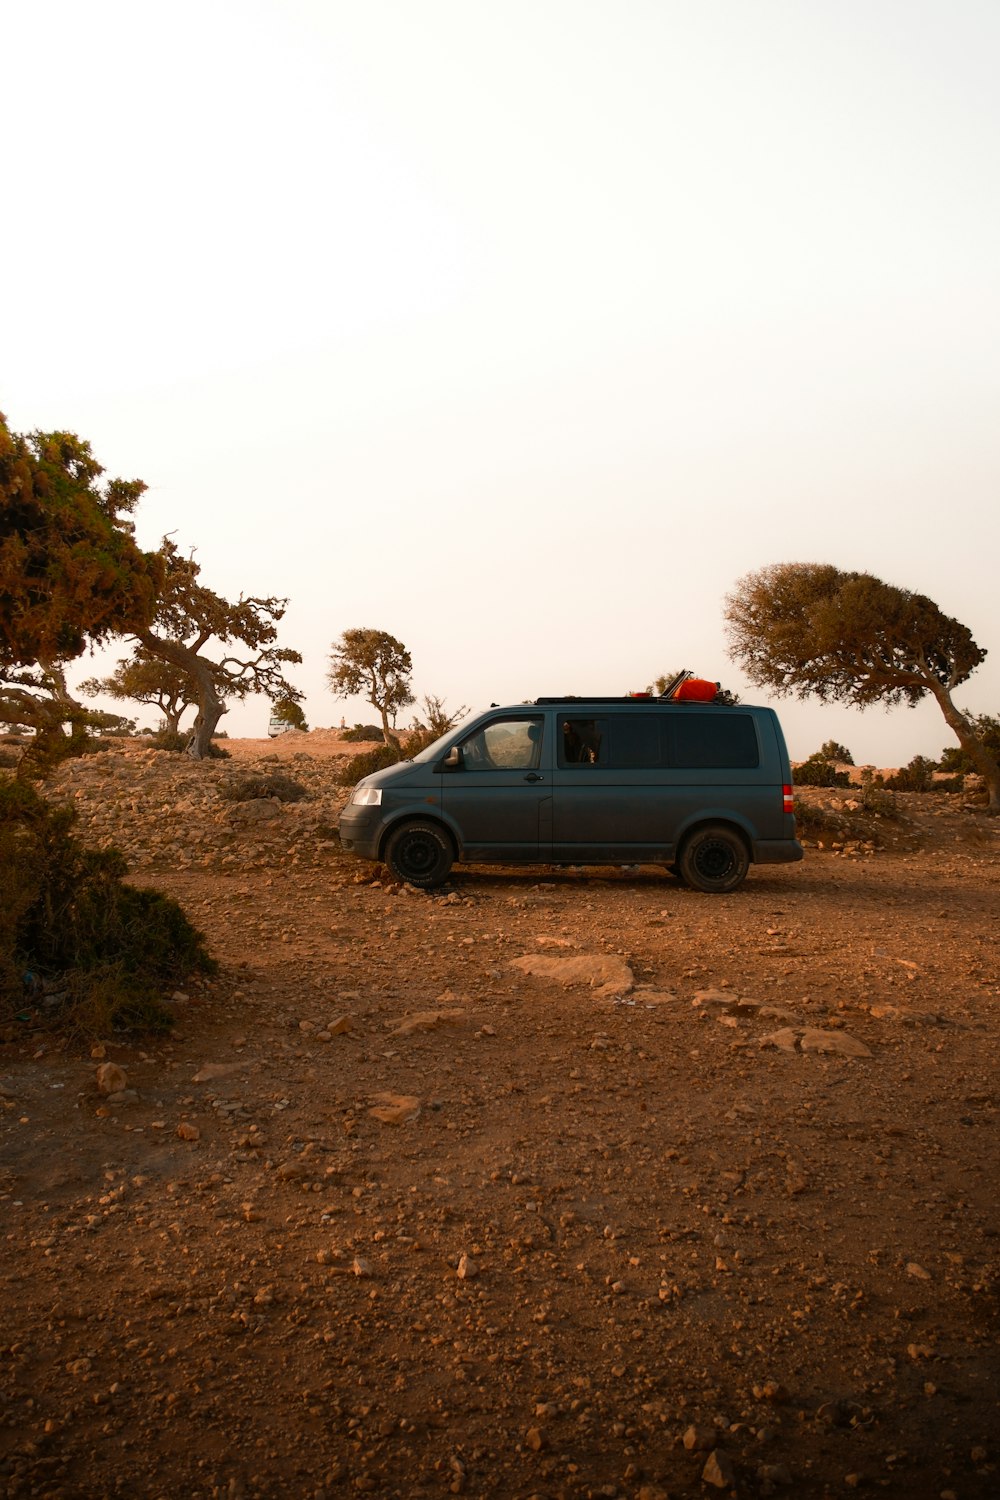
454 757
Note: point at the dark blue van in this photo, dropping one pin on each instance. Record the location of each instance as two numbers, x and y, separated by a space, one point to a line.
703 788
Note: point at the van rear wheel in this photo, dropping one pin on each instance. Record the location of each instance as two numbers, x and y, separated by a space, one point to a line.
715 859
419 854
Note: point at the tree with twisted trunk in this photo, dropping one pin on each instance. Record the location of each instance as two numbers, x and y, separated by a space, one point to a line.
244 659
811 630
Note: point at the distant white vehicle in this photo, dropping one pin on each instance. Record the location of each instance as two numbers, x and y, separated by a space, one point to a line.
276 725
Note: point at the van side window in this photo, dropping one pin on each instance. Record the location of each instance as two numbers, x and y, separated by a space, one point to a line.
635 742
504 745
583 742
715 741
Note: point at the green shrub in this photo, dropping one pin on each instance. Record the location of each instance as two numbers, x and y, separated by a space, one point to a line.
361 733
99 952
918 776
816 772
987 728
874 797
248 785
363 765
834 750
171 740
176 741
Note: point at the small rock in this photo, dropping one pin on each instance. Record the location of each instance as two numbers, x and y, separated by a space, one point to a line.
718 1470
208 1072
427 1020
395 1109
187 1131
698 1439
111 1079
467 1268
535 1439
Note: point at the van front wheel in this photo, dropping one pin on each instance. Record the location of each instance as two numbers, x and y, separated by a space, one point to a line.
714 859
419 854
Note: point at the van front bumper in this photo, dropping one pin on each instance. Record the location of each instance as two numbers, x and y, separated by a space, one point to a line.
360 830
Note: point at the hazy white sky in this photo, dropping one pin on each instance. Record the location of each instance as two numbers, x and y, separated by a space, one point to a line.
523 328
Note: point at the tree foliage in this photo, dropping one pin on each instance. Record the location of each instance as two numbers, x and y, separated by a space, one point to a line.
660 684
226 649
145 679
815 631
71 575
987 727
373 665
289 711
833 750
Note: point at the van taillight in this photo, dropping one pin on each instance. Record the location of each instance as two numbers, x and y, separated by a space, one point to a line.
788 804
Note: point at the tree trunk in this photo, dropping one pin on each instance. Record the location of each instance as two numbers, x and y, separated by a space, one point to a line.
970 743
210 710
388 734
211 706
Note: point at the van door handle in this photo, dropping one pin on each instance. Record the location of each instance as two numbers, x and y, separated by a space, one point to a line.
534 776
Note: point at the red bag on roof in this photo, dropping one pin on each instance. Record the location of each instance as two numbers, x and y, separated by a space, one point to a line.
696 690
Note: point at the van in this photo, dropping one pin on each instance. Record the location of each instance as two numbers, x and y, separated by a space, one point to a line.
704 788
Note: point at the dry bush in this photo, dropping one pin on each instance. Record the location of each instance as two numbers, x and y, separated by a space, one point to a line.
247 786
76 941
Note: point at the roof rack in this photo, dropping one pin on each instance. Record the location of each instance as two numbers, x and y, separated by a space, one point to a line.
701 692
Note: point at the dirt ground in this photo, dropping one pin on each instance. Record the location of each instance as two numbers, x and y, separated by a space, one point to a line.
386 1214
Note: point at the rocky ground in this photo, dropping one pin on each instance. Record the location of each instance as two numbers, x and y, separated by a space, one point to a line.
553 1184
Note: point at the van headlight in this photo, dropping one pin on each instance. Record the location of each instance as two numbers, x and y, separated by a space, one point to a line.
367 796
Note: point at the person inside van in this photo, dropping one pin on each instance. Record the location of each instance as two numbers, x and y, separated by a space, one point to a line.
581 742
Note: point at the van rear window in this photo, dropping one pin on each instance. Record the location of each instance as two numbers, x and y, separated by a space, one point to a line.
636 742
660 741
713 742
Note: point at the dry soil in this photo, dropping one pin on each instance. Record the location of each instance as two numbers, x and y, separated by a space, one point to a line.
389 1214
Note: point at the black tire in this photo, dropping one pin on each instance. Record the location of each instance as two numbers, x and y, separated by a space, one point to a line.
419 854
715 859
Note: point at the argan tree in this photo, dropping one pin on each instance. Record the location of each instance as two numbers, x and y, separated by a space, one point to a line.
373 665
145 679
227 650
71 573
811 630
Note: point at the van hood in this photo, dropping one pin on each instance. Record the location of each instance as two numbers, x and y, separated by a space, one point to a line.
397 772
